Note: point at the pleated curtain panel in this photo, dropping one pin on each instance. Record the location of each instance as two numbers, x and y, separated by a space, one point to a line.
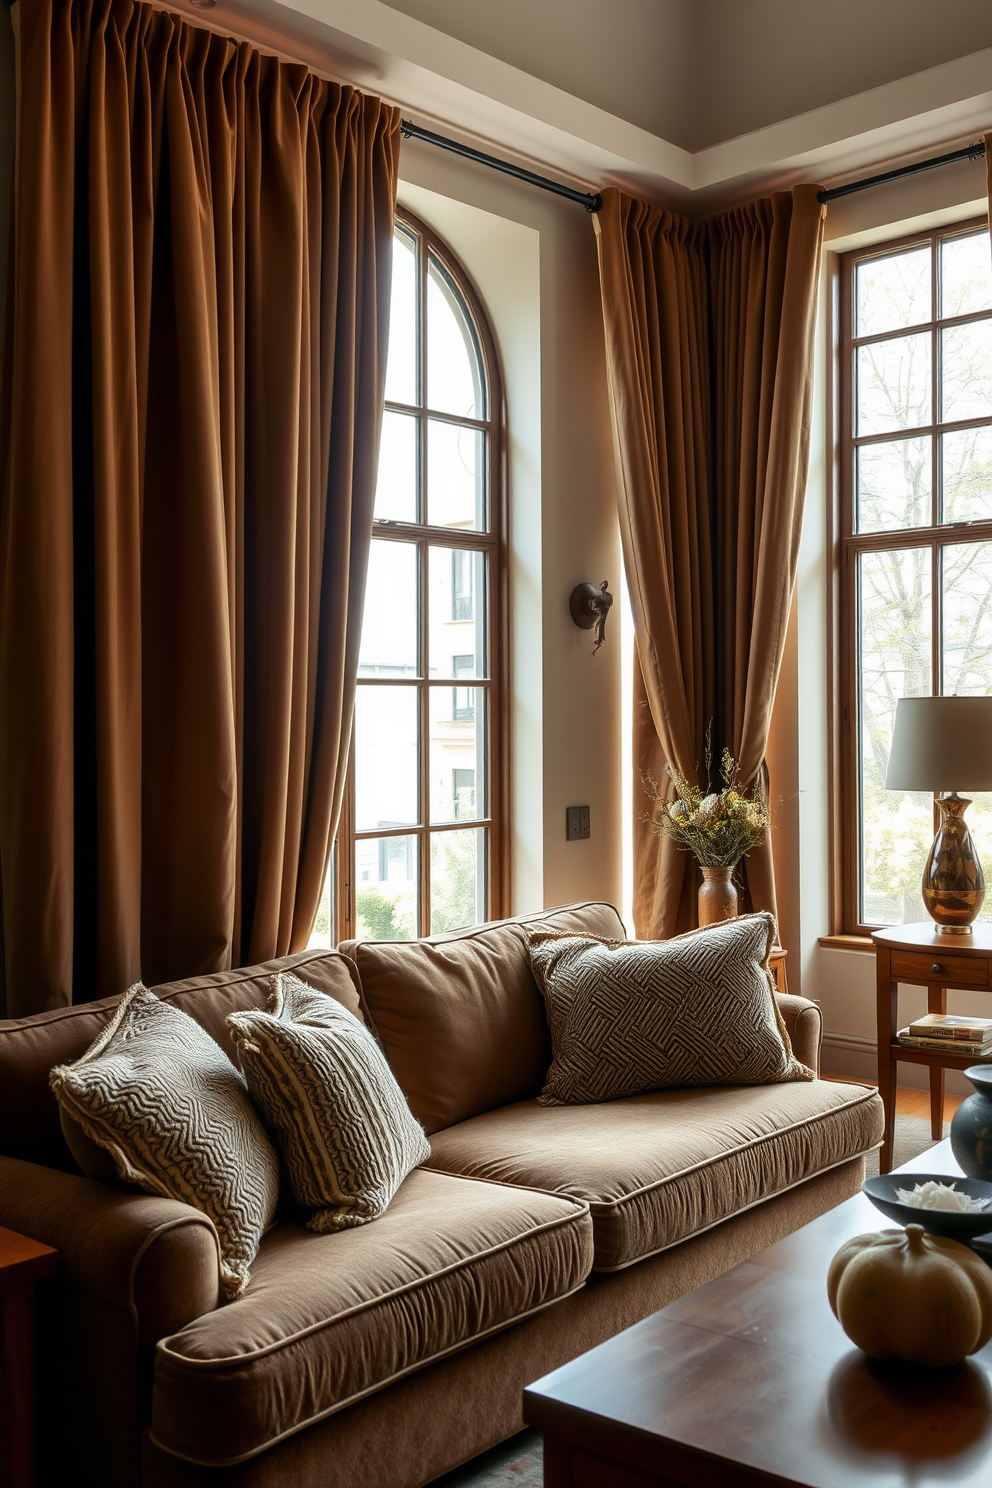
195 366
709 339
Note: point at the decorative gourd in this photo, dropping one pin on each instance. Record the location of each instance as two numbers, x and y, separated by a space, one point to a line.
903 1294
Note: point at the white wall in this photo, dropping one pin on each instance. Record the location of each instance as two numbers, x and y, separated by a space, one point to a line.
533 260
842 981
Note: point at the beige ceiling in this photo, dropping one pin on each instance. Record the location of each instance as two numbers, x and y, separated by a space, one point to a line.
697 72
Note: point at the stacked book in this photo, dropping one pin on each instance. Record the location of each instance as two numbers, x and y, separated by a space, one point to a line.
949 1032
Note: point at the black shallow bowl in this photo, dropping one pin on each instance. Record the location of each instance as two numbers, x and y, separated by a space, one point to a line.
963 1227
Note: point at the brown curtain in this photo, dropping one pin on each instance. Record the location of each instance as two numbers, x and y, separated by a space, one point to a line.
709 333
195 367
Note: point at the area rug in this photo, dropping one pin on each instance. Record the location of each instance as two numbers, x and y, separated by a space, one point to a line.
912 1136
518 1463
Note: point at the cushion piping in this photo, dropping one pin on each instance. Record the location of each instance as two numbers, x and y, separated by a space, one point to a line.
251 974
646 1255
604 1207
382 1384
473 931
250 1356
598 1207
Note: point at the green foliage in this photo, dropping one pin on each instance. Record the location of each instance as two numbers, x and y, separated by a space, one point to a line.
453 870
380 918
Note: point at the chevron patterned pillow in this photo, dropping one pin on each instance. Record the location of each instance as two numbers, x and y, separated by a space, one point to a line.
346 1133
634 1015
156 1092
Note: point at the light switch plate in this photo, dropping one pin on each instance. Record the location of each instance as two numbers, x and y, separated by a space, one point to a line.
576 823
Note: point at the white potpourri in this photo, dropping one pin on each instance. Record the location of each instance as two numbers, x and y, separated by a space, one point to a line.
932 1195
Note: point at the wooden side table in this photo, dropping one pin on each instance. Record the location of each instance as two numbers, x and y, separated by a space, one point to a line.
916 955
22 1263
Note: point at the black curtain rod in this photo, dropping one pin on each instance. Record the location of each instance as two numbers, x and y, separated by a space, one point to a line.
970 152
591 200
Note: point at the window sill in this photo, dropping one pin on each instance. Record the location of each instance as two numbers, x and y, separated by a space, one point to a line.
846 942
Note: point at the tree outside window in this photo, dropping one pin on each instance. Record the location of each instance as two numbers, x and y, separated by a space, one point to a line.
916 514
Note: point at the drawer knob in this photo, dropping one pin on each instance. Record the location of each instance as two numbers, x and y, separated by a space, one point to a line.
936 966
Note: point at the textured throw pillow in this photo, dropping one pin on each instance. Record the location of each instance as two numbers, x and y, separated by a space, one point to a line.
634 1015
156 1092
346 1133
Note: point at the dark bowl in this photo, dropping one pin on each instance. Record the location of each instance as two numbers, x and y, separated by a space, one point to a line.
964 1227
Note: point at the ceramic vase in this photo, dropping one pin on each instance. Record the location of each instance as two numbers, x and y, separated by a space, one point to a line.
971 1128
717 897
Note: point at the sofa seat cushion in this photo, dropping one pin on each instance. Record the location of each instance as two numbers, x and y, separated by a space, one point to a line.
656 1169
328 1319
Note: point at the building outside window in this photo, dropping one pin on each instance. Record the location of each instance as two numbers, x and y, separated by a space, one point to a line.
914 612
463 698
420 846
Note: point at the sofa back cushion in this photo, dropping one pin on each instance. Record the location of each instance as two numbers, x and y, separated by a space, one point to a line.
460 1016
30 1047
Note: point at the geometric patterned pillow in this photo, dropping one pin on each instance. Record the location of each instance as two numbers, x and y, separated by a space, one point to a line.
341 1122
156 1092
634 1015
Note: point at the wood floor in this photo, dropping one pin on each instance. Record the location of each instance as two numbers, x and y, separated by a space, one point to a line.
909 1101
917 1103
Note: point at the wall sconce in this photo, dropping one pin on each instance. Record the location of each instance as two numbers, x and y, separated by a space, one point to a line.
589 607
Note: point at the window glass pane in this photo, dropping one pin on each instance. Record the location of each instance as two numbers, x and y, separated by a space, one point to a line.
965 274
396 486
387 776
966 475
456 609
454 376
895 661
389 624
966 371
401 362
322 935
894 481
458 753
456 476
458 879
387 888
894 385
892 292
966 578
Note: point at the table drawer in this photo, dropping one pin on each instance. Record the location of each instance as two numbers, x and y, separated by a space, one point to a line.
935 966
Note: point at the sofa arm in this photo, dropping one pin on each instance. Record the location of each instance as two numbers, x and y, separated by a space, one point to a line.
154 1258
804 1024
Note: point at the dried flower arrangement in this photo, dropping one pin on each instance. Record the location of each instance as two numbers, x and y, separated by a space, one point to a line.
717 827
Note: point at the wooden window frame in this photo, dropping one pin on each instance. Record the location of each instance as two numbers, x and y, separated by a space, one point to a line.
849 930
494 541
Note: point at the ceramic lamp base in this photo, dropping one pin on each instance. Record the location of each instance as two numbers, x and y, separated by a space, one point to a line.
953 882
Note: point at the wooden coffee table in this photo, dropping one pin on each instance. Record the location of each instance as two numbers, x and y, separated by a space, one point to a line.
750 1381
22 1262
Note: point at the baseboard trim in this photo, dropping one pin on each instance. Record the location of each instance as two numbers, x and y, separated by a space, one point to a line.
851 1043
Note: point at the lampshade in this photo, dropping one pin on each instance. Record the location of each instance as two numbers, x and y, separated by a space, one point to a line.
941 744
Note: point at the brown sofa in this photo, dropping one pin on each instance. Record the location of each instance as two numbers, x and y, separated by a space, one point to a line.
387 1354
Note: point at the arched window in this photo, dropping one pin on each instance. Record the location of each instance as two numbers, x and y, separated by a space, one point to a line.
421 848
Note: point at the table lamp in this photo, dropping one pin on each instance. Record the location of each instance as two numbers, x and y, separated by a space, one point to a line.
938 744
